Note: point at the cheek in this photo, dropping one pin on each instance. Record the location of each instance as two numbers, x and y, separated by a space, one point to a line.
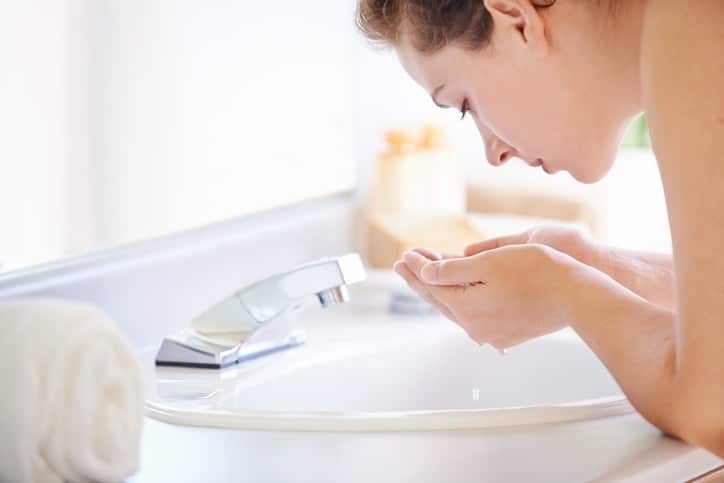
524 120
545 126
503 115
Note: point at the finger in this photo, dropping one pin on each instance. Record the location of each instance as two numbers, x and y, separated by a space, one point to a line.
493 243
427 253
403 270
415 262
455 271
433 254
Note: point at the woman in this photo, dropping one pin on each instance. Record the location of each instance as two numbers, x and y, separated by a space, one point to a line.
554 83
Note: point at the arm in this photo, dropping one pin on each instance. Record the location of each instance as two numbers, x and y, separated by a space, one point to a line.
671 365
650 275
635 340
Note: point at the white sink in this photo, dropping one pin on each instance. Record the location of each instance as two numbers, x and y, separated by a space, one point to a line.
363 369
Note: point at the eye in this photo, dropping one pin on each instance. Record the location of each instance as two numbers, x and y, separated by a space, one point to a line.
464 108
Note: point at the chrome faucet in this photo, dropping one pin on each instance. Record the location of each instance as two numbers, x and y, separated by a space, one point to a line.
258 315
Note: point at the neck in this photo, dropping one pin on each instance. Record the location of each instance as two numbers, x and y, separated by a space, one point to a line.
623 45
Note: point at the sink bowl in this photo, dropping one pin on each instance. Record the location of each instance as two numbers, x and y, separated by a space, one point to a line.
365 369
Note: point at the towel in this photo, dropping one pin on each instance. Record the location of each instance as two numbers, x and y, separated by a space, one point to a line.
71 400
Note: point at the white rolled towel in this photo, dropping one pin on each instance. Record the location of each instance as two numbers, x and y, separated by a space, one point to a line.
71 402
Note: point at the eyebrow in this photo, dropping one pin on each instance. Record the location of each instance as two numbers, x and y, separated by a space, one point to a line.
434 93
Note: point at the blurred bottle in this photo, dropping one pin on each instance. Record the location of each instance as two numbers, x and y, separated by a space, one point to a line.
417 197
418 175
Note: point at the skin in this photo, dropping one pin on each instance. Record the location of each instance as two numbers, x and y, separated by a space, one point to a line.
656 322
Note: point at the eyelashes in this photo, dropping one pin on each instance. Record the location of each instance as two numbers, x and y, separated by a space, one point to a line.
464 108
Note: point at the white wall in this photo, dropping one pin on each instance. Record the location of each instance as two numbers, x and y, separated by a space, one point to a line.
216 109
37 112
129 119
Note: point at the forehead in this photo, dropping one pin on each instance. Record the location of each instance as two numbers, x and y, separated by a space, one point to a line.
428 70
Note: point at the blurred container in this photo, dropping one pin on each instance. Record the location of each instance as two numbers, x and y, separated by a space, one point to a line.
549 207
418 175
417 198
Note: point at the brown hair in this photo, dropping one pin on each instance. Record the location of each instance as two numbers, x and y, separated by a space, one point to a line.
434 23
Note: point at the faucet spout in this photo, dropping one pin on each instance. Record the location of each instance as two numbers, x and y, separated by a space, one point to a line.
267 299
333 296
256 313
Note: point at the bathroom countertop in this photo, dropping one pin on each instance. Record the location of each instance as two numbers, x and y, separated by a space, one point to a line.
620 449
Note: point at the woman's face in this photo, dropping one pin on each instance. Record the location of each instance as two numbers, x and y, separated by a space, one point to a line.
538 91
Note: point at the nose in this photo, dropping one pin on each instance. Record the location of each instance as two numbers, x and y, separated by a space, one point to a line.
497 151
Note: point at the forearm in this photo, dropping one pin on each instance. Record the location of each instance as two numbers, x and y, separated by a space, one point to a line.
649 275
636 341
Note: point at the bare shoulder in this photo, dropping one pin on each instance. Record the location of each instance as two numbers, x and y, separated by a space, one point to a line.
682 58
682 75
666 20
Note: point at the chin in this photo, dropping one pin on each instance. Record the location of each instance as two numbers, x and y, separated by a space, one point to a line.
587 178
591 174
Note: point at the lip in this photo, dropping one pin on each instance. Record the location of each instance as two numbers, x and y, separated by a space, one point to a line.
539 163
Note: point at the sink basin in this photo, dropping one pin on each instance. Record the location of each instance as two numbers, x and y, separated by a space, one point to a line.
364 369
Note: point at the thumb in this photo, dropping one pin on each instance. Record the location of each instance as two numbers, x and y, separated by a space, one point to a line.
493 243
453 271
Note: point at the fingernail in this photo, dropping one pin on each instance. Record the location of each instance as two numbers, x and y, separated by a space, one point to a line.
429 272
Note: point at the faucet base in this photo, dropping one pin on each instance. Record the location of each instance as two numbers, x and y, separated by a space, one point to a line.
187 350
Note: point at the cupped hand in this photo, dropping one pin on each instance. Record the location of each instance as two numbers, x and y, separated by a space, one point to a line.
501 296
571 241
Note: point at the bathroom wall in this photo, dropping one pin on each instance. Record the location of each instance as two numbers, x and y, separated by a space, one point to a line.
43 155
217 109
129 119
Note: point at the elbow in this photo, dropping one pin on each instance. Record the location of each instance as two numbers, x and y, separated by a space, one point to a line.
702 425
695 407
710 438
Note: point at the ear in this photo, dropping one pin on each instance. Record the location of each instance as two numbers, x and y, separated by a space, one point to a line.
523 19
